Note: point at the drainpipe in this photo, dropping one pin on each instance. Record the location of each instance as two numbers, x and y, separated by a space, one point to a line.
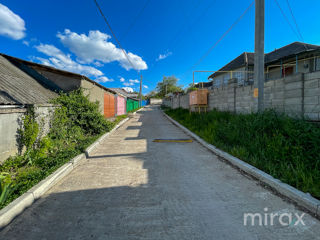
281 68
296 63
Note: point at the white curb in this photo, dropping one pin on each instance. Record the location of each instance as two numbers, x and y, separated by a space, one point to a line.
8 213
300 198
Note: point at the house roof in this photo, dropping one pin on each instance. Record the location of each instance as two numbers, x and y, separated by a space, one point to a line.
294 48
22 64
125 93
290 50
244 59
19 88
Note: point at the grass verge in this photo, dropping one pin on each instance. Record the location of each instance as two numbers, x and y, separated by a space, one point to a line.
286 148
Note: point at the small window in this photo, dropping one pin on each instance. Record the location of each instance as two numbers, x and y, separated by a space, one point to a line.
226 78
216 82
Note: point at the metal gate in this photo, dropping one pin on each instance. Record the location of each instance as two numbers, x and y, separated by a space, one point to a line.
109 105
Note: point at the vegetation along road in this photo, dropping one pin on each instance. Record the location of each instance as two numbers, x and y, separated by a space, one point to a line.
134 188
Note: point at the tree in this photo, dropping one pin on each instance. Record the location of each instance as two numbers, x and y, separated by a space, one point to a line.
191 88
168 85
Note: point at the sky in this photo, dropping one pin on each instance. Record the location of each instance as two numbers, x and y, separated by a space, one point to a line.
161 38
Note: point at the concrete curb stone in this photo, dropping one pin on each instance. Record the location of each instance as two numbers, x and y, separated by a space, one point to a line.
15 208
300 198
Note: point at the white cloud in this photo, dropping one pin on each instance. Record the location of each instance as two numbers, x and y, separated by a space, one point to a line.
134 81
96 47
122 79
26 43
128 89
103 79
11 25
98 64
145 86
163 56
128 84
62 61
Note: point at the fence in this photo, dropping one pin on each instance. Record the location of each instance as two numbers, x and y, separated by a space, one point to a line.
297 95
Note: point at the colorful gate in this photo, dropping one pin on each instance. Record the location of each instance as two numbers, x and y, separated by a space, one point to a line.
121 105
109 105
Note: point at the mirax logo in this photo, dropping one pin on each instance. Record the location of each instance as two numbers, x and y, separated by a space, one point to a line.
270 219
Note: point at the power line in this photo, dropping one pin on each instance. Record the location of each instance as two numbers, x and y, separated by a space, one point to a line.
174 40
294 19
109 26
286 18
135 19
185 23
207 8
222 37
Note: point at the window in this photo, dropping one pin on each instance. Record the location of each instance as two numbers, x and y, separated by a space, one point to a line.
240 77
216 82
226 78
250 74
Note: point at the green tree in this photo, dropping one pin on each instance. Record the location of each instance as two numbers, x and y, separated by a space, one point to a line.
191 88
168 85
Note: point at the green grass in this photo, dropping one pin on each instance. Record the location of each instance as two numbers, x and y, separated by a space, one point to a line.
286 148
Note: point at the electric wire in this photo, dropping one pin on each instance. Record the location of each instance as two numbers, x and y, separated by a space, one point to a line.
222 37
294 20
135 19
112 32
286 18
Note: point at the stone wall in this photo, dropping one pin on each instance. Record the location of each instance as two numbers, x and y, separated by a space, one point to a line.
296 95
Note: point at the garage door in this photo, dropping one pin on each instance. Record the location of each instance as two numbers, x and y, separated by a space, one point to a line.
109 106
121 106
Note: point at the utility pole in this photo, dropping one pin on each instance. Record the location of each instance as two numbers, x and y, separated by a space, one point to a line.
140 91
259 54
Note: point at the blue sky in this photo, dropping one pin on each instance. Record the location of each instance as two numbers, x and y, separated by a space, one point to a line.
167 38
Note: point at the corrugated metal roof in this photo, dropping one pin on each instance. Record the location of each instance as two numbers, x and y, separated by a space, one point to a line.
17 87
125 93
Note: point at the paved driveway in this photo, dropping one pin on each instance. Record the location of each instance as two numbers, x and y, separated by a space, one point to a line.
133 188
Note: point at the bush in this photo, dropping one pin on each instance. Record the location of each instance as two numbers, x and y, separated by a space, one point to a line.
76 123
286 148
82 113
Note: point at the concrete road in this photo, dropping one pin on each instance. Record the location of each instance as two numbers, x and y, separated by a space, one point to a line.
133 188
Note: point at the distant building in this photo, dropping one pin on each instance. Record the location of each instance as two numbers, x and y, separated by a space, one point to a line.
294 58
